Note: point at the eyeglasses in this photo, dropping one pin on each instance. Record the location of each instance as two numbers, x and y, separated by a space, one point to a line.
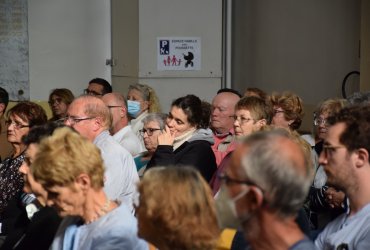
278 111
16 124
328 150
73 120
56 100
227 180
113 106
319 121
148 131
241 119
91 92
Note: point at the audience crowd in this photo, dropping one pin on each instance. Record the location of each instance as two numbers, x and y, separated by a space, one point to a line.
108 170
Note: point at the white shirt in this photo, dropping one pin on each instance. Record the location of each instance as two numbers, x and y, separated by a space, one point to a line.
127 139
120 170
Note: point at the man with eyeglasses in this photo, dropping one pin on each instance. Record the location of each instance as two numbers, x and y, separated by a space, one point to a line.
91 118
98 87
345 158
120 129
263 190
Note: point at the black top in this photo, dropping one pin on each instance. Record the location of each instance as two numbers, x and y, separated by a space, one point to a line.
37 233
196 153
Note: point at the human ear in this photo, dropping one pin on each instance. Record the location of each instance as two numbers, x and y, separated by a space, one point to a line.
83 181
362 157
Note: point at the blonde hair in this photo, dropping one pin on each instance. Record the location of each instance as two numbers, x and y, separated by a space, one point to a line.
148 95
331 106
62 157
292 105
185 216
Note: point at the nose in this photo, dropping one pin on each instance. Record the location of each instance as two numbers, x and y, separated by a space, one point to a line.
170 122
49 202
23 169
323 160
67 122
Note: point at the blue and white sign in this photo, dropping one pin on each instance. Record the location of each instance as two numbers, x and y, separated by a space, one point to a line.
178 53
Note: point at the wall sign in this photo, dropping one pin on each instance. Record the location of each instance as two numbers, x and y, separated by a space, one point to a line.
178 53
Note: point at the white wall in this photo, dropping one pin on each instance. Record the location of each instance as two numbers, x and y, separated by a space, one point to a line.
173 18
69 41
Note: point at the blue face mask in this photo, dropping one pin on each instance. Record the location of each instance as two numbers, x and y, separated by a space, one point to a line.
133 108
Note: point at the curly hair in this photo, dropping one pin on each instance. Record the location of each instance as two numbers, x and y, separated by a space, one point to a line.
331 106
357 130
292 105
185 217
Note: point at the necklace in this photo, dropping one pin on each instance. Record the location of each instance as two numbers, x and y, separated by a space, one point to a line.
102 211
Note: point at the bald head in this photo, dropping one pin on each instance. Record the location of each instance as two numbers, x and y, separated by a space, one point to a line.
118 110
89 116
223 105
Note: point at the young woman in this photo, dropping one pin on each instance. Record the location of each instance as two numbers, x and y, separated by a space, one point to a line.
186 140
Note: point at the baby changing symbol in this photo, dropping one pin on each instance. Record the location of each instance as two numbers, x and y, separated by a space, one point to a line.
189 59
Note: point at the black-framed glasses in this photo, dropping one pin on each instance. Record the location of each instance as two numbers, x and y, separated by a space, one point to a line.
92 92
73 120
148 131
16 124
328 150
319 121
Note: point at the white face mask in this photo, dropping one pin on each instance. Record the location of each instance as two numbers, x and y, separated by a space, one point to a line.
226 209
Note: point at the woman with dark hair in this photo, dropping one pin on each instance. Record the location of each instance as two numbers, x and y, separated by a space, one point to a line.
59 100
186 140
20 119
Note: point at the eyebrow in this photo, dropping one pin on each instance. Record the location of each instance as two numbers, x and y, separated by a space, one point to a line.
177 119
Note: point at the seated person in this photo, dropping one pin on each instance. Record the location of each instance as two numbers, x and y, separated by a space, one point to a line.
37 229
71 170
176 209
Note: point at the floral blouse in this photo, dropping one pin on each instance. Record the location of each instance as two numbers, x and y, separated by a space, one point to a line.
11 181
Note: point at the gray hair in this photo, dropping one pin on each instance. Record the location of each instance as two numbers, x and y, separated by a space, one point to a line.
359 98
285 187
160 118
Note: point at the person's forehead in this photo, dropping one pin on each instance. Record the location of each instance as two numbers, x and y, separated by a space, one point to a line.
76 108
151 124
334 132
95 86
227 99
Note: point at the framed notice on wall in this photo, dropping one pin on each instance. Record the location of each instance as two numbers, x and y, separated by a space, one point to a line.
14 49
178 53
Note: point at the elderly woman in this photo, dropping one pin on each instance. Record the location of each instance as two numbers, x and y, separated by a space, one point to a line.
186 140
324 202
154 124
252 114
141 100
20 119
37 229
176 210
287 110
59 100
71 170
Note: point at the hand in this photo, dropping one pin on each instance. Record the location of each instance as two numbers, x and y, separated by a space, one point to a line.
166 138
334 198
